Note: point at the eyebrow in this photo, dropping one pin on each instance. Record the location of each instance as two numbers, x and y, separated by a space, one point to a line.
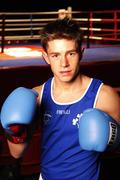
72 50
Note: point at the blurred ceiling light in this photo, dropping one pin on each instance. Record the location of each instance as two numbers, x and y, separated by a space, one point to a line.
22 52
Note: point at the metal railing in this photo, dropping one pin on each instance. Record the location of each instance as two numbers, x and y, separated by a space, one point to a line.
25 26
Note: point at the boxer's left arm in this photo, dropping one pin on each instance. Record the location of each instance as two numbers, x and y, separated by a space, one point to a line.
99 129
109 102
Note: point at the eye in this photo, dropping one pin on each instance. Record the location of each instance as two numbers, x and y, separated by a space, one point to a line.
72 54
54 56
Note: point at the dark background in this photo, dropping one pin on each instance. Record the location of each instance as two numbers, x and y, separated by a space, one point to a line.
54 5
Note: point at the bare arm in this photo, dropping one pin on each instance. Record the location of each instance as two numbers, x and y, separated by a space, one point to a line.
109 101
17 150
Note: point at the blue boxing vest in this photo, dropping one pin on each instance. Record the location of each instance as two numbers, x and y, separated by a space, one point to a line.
62 156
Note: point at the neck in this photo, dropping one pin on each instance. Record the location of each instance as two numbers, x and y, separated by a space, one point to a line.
69 92
65 86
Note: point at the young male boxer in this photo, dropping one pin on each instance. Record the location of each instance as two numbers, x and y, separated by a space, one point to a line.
80 114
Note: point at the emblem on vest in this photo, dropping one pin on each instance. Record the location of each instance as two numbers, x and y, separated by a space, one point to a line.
47 117
76 120
62 111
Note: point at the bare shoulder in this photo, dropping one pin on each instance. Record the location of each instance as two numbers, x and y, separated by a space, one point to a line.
109 101
38 89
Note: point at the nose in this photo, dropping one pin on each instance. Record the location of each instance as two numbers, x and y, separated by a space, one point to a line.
64 61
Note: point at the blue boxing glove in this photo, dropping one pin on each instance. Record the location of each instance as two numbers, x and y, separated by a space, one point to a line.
98 131
18 112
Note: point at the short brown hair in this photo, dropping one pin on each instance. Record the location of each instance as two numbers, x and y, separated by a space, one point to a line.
61 29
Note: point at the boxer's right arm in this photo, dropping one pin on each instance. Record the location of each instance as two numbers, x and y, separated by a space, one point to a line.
17 150
17 115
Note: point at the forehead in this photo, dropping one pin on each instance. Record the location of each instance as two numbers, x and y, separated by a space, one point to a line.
61 45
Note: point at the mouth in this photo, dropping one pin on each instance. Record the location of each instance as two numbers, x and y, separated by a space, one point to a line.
65 73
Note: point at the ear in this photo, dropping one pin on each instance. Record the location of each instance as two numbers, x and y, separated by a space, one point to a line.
45 56
82 51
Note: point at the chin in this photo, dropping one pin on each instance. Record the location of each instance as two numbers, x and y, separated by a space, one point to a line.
66 79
